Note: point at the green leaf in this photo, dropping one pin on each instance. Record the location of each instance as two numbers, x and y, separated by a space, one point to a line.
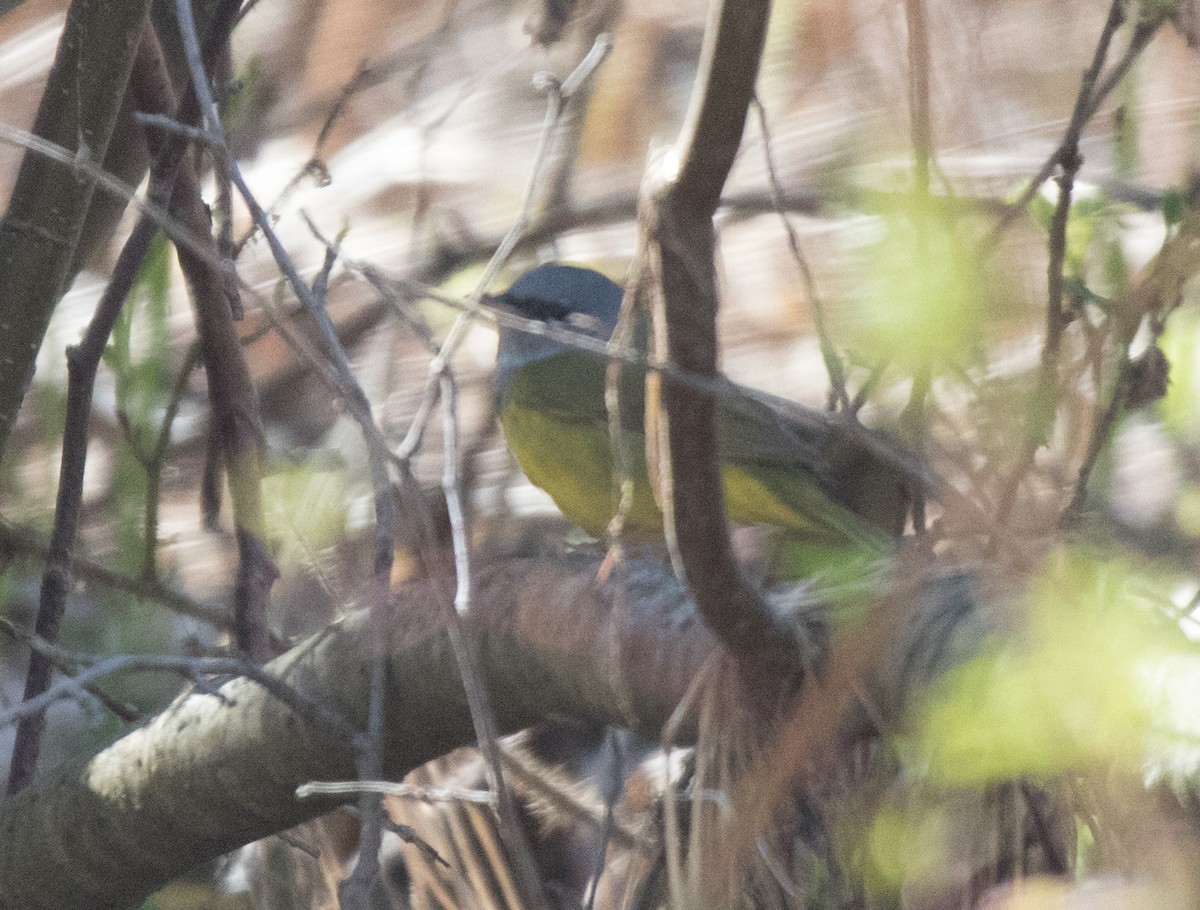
1041 210
1073 691
921 301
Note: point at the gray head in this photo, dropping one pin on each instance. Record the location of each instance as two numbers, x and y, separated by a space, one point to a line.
578 299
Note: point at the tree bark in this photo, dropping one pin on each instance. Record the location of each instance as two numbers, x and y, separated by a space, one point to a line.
212 773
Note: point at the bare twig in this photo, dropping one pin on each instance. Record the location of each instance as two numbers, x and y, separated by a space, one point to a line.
441 383
1156 293
93 668
482 716
223 209
123 711
838 396
400 791
82 363
156 461
26 543
368 74
921 130
918 95
1091 95
558 96
1043 404
354 890
231 391
358 404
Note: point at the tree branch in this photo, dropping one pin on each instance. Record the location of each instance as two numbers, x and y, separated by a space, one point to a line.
211 774
681 241
231 391
220 769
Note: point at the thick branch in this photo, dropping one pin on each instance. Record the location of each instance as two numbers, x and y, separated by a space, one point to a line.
207 776
212 773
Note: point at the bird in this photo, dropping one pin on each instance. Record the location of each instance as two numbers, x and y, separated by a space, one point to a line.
821 479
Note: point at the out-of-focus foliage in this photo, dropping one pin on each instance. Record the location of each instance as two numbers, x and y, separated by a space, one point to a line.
1074 689
305 510
922 304
1087 677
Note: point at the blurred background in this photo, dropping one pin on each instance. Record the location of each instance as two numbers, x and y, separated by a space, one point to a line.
409 130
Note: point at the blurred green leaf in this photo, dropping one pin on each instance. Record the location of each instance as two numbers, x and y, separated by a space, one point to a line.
139 360
1126 129
1041 210
241 103
921 301
137 354
1180 407
1070 693
904 845
1094 256
305 509
1187 510
1116 267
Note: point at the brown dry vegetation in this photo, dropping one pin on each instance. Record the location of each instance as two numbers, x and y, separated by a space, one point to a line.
1001 716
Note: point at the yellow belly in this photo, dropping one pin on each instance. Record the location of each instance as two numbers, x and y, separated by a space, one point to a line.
573 463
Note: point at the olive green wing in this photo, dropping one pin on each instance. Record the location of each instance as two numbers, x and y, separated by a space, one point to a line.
834 478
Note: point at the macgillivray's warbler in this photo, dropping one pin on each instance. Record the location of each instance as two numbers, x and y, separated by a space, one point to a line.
819 478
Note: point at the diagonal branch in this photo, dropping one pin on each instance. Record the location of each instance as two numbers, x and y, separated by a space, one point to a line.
220 769
50 201
234 400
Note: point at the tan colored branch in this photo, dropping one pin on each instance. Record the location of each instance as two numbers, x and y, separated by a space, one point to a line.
208 775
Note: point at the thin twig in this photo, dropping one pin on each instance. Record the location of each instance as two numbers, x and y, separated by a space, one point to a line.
83 362
165 123
223 210
486 729
354 890
918 96
192 668
1043 404
236 417
156 461
838 396
124 712
558 95
400 791
915 418
1087 103
440 382
25 542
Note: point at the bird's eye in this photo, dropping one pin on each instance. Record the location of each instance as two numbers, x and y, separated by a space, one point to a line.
532 308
